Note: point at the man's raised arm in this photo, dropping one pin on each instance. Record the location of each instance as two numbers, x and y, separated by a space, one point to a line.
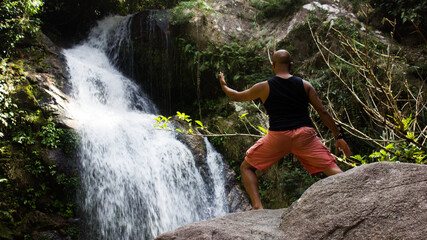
259 90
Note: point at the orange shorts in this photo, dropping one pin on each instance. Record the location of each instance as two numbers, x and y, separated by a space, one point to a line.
302 142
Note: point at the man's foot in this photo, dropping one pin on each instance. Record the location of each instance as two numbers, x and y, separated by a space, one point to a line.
257 208
333 171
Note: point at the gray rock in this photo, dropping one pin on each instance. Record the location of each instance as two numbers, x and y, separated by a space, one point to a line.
250 225
375 201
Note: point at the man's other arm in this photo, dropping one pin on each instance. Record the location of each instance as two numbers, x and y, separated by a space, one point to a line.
325 116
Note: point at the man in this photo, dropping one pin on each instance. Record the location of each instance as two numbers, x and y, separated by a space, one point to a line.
286 99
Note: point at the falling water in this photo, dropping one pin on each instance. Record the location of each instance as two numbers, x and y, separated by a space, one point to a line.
137 181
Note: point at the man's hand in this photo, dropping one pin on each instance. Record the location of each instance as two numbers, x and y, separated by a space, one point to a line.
221 79
341 144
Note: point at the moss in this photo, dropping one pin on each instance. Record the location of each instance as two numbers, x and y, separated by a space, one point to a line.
24 97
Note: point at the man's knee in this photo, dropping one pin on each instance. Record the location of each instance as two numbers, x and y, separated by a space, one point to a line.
246 166
243 166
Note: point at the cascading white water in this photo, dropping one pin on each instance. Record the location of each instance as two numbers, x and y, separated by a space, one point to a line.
137 181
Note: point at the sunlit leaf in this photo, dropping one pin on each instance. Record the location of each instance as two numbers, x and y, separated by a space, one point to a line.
243 115
264 131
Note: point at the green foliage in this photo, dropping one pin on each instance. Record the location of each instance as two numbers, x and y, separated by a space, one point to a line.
186 10
242 62
69 140
400 151
17 20
237 61
404 10
183 116
406 19
8 109
164 123
51 135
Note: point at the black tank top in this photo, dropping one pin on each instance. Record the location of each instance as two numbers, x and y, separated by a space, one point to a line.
287 104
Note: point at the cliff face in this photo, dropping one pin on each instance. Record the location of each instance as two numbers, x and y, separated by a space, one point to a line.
375 201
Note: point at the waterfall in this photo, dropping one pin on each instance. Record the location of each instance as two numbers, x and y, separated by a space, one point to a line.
136 181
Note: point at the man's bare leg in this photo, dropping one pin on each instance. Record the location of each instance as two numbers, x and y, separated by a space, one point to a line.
333 171
250 181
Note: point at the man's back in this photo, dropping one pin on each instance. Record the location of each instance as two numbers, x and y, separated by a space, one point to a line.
287 104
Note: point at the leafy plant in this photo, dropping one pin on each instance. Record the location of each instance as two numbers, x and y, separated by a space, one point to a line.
186 10
51 135
183 116
164 123
18 20
8 109
23 138
409 14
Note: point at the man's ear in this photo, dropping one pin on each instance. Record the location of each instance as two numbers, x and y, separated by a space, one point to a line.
290 65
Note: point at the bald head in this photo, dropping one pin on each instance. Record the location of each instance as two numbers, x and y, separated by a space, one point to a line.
282 57
282 62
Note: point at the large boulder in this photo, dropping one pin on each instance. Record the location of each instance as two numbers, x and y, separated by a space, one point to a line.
375 201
